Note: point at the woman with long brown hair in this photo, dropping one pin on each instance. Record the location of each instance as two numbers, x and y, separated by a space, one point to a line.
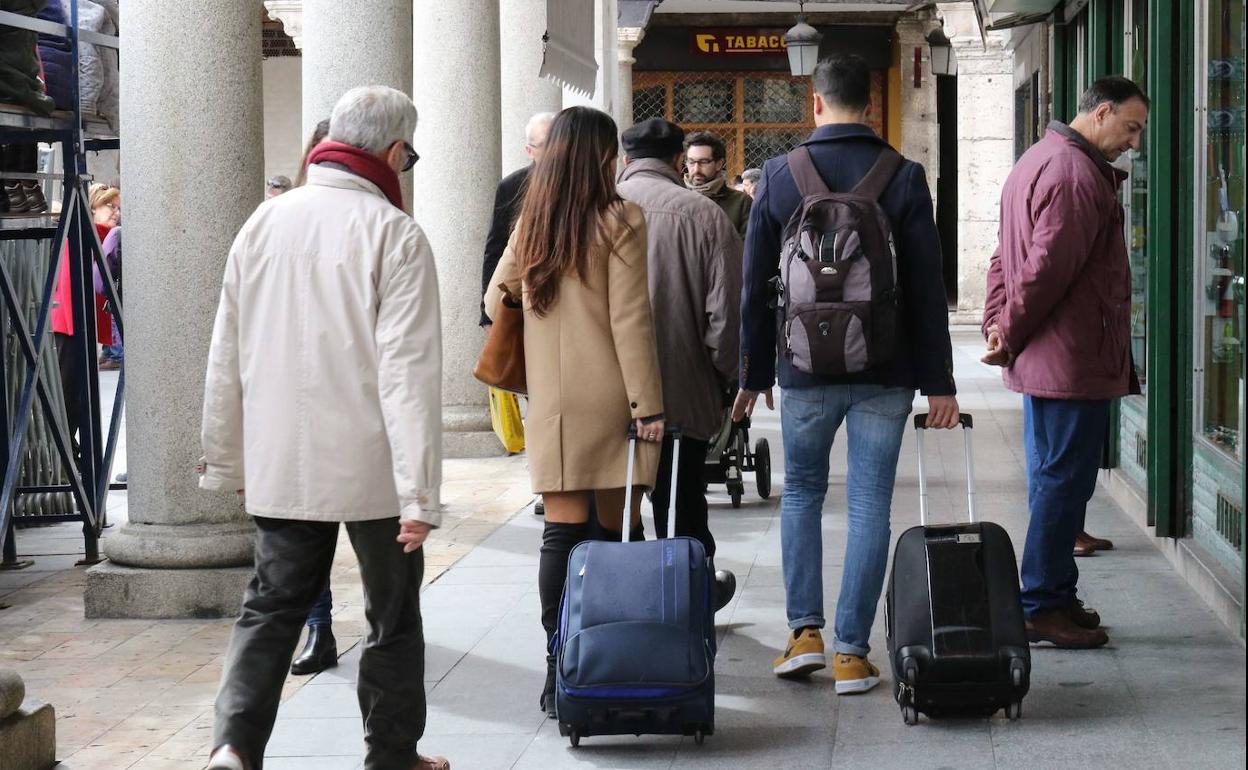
577 258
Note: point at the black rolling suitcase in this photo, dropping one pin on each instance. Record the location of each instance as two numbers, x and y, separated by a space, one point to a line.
956 640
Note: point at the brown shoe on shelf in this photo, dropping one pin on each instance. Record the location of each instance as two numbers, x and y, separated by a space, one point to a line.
1095 543
1084 617
1055 626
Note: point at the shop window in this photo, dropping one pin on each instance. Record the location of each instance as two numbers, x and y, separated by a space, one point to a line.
759 115
1220 191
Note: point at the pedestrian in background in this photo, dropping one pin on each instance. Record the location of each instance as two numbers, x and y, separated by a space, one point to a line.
705 160
749 181
577 257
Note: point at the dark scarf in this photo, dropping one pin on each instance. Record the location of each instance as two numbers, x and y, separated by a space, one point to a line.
361 163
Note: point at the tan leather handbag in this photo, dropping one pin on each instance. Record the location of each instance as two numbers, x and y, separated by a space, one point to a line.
501 364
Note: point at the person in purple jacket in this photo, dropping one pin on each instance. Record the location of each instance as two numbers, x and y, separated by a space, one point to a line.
1057 318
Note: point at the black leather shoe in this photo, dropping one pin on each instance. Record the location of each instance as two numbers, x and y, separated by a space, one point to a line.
725 588
35 202
320 653
16 196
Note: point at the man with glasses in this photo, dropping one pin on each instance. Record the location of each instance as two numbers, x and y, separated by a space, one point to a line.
705 160
323 402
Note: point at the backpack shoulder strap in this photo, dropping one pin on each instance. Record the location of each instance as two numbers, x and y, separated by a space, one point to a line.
882 172
805 174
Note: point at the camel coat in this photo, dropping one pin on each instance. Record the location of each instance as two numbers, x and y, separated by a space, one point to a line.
592 367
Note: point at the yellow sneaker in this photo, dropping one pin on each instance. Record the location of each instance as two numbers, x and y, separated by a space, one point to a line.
803 655
854 674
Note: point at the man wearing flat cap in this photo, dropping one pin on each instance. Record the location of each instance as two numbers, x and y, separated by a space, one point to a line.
695 291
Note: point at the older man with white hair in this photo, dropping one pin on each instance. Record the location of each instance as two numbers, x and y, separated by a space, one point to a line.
507 200
323 402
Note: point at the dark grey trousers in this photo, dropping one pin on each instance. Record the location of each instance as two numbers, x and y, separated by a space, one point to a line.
293 560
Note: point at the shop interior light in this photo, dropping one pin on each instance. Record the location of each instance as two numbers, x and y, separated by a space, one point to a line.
944 62
803 46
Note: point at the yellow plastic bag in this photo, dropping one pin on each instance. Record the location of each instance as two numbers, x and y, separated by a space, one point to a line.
505 417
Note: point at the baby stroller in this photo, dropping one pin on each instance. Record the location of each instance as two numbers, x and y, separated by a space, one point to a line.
729 458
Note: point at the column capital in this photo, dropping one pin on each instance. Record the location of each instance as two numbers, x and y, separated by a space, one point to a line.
627 39
290 14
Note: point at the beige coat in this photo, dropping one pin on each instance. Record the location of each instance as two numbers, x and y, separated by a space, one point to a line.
324 390
592 367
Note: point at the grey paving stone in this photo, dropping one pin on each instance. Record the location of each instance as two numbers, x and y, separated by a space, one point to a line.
340 737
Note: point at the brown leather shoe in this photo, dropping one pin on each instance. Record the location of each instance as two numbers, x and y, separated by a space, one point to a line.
1095 543
35 202
1084 617
432 763
16 198
1055 626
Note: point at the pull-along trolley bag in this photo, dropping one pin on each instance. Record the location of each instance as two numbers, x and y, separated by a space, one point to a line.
956 640
636 643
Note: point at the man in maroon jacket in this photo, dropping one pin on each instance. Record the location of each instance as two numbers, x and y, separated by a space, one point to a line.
1057 318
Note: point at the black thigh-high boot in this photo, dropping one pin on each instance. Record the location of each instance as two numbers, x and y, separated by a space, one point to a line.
558 540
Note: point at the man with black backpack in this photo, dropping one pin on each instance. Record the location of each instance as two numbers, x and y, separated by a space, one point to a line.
842 279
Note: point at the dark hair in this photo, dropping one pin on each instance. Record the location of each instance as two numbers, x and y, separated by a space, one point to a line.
738 179
569 201
707 139
1114 89
318 135
844 80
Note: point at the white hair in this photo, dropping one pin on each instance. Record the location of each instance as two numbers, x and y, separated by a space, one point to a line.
534 122
373 118
752 175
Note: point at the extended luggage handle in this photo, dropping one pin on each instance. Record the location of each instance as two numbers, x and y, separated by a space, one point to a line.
920 426
626 520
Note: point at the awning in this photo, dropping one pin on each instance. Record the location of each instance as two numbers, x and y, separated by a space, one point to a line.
1011 13
636 13
568 58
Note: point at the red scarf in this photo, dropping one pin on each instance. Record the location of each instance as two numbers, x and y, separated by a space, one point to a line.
362 163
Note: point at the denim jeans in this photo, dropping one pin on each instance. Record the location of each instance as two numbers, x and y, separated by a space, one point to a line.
319 614
1063 440
875 417
116 351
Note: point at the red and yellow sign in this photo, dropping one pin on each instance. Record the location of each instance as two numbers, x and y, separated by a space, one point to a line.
737 41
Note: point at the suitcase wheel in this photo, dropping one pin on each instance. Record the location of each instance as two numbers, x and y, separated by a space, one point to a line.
909 715
699 737
1017 674
574 738
910 671
1014 711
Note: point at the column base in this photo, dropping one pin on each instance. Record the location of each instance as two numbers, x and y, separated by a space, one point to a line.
28 738
116 591
467 433
183 546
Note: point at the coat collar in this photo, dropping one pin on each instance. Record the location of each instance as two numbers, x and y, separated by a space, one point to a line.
1062 130
840 131
651 167
326 175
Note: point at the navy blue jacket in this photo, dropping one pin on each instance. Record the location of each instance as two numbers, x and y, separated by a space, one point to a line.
843 153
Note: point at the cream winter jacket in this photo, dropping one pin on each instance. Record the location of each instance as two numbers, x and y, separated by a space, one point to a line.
323 396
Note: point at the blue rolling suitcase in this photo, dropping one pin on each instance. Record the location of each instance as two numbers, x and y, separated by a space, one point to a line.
636 641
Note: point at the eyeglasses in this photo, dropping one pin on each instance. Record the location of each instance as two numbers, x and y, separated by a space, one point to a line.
699 163
412 156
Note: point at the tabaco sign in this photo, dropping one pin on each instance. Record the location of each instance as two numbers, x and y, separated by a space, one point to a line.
737 41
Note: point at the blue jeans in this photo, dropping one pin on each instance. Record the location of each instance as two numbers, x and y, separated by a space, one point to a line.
1063 440
116 351
810 417
319 615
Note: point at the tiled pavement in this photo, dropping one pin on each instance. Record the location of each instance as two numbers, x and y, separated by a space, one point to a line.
1168 692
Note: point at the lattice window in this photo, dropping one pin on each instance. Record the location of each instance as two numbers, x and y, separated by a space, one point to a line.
759 115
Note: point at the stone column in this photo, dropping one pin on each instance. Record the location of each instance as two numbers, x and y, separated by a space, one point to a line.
522 24
920 132
457 46
627 39
191 104
985 147
349 44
